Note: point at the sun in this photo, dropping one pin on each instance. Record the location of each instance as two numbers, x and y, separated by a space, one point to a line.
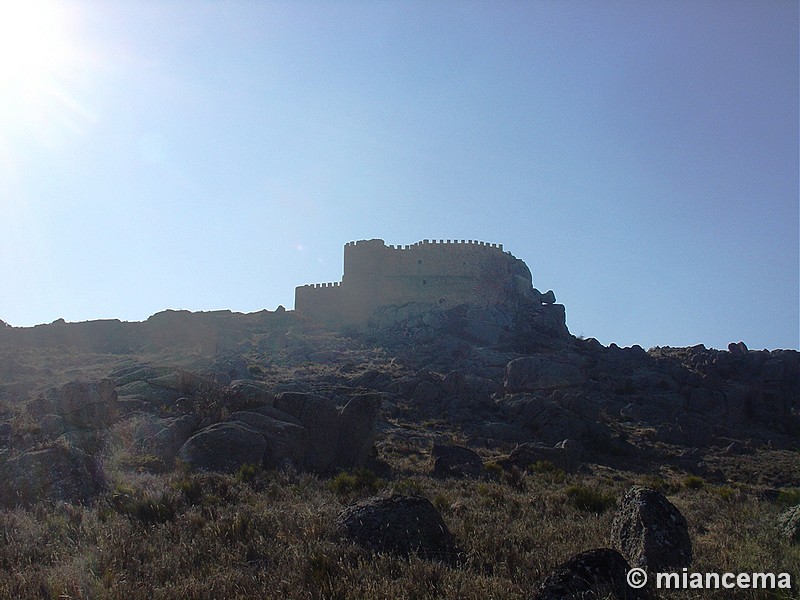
30 42
36 60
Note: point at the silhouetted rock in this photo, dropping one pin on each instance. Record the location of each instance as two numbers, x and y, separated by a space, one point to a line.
650 532
397 524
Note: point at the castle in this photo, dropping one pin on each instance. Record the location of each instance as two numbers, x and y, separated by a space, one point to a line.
430 273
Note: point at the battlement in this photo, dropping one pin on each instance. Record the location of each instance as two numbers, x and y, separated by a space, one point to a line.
321 285
431 242
438 273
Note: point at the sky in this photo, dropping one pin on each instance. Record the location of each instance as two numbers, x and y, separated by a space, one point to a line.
640 157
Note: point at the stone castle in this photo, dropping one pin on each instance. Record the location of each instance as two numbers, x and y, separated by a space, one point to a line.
430 273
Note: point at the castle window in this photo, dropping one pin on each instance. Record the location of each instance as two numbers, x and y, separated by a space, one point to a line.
424 282
419 262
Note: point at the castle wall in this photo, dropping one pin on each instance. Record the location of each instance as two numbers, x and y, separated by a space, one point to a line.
438 272
322 301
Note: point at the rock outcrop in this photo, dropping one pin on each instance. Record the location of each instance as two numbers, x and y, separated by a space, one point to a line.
305 430
535 373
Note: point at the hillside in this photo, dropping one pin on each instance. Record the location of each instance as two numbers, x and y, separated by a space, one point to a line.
239 437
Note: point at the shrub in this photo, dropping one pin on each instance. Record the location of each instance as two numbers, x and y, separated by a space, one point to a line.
693 482
247 473
788 497
441 502
411 487
547 471
493 470
360 480
590 499
191 488
147 509
725 492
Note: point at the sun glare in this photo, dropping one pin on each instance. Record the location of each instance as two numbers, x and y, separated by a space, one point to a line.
36 56
30 42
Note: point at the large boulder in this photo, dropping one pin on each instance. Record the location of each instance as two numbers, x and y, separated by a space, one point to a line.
223 447
534 373
357 429
244 394
172 433
455 461
651 532
320 417
81 404
595 574
57 473
286 442
398 524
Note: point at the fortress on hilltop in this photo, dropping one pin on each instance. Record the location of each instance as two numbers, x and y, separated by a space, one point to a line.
430 273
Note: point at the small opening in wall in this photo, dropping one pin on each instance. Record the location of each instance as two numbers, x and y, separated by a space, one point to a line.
424 282
419 261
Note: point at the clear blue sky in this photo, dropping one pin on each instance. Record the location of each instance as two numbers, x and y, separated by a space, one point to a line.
641 157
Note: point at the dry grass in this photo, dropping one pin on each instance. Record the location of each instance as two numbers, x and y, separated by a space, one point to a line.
269 535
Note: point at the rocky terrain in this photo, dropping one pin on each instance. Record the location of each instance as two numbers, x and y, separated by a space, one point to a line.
204 416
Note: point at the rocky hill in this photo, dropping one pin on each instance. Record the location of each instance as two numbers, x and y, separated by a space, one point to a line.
243 452
500 376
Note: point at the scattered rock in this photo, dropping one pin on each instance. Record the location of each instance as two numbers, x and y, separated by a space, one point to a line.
399 524
455 461
650 532
596 574
223 447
